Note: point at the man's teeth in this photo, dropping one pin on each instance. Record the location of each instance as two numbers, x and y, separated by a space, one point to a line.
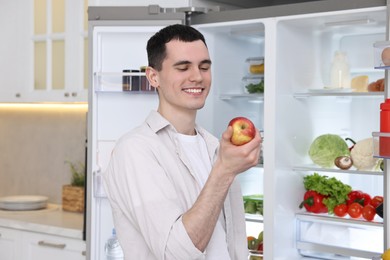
193 90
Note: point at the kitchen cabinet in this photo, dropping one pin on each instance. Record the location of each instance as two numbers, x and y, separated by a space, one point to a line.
46 62
39 246
9 244
43 246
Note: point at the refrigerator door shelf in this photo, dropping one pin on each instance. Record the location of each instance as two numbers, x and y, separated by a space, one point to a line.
381 145
115 82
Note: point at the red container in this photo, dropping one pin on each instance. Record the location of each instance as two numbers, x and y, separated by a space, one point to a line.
384 142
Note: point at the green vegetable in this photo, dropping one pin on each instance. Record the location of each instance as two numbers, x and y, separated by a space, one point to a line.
253 204
255 88
326 148
334 190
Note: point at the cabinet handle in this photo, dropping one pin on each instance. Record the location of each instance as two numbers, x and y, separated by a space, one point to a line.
43 243
66 94
18 95
83 253
74 94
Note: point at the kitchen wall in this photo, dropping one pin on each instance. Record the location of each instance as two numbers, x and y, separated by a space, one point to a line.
35 142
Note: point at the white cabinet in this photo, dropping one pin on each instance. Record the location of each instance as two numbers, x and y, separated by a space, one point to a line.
43 246
44 51
9 244
23 245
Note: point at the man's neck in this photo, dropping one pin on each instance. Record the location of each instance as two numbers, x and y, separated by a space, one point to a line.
183 121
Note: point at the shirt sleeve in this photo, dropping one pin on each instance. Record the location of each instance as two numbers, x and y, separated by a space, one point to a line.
140 187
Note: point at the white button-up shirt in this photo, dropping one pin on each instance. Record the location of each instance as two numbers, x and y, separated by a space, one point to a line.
150 184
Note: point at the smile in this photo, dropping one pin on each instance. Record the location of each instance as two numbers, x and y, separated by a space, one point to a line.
193 90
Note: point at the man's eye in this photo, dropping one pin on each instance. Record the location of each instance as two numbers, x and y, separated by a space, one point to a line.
182 68
205 68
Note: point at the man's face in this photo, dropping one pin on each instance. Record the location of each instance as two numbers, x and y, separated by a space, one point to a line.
185 78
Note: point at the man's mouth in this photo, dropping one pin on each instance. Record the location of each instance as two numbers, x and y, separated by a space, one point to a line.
193 90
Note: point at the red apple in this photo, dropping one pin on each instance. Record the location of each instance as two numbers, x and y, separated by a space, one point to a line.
243 130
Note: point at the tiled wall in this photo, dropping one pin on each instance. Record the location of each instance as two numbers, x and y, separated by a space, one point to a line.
35 142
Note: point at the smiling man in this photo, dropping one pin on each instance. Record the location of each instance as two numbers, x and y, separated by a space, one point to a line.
171 184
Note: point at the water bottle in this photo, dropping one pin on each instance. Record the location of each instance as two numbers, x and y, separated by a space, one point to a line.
113 249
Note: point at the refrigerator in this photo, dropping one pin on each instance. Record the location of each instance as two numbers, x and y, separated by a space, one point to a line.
296 43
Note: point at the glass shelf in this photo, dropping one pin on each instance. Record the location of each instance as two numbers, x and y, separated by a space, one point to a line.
315 168
254 218
326 93
254 97
334 220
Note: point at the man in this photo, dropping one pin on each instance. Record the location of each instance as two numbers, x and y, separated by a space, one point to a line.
171 185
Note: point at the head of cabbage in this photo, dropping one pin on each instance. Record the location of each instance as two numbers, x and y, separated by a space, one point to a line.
326 148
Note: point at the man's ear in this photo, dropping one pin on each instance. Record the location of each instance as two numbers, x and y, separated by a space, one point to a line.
152 76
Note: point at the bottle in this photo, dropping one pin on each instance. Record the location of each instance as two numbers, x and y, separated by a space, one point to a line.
113 249
339 74
384 142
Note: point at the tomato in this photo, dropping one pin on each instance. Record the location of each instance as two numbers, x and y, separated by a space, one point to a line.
368 212
376 201
355 210
341 210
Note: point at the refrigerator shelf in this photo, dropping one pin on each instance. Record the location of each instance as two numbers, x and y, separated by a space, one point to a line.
326 93
346 221
254 218
131 82
382 150
254 97
350 171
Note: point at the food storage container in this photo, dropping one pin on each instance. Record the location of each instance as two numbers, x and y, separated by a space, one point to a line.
253 84
255 65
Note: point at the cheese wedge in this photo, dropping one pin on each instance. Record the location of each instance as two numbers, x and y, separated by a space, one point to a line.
359 83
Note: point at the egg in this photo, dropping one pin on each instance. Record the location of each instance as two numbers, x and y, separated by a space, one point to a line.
386 56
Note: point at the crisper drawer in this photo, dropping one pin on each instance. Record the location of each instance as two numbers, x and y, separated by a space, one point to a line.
327 237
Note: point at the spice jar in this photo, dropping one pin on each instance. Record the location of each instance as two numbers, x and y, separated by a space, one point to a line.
384 142
130 82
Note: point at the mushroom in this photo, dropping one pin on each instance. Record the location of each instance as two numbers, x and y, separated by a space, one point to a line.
343 162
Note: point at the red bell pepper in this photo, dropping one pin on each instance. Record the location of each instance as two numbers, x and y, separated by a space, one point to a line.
312 201
359 197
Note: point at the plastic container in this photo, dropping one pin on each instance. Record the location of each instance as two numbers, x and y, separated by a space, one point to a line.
255 65
113 249
253 84
384 142
339 73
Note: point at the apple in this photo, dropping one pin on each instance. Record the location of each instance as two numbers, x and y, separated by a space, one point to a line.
243 130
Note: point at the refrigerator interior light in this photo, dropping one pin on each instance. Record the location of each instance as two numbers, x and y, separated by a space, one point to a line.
350 22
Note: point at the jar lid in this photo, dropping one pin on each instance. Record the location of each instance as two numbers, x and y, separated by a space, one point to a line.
386 105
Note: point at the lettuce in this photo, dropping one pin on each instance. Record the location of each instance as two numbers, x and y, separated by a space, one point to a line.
326 148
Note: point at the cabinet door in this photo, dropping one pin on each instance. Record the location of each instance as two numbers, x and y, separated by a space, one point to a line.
9 248
42 246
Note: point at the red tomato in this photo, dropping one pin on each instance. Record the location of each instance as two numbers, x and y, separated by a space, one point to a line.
341 210
376 201
355 210
368 212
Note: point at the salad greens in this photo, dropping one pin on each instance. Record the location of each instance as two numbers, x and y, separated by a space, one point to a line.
335 191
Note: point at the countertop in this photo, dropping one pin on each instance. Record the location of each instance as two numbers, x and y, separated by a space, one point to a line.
51 220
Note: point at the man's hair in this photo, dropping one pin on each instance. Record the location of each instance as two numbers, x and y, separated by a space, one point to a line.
156 47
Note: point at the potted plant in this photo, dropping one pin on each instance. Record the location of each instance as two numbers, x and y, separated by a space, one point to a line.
73 193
